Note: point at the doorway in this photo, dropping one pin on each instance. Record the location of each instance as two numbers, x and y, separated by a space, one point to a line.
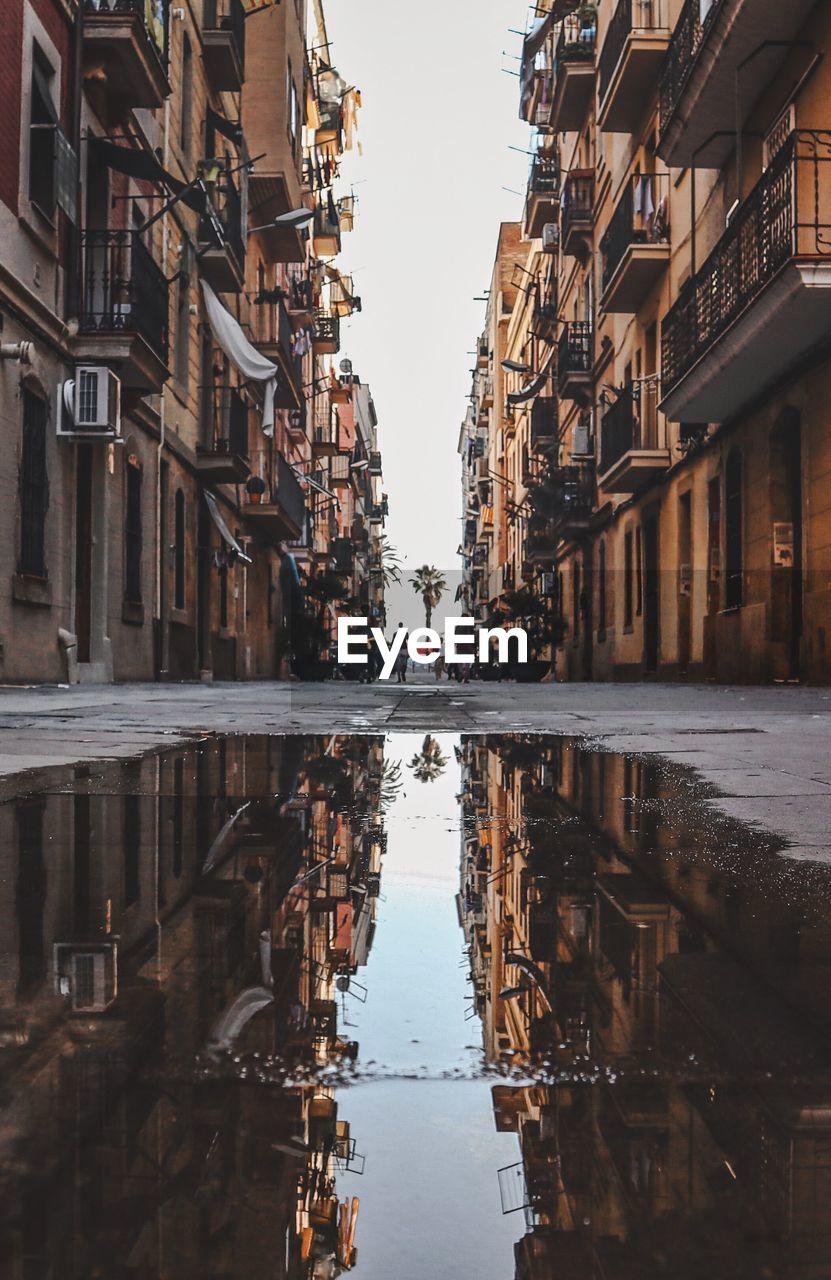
652 595
83 551
786 588
685 581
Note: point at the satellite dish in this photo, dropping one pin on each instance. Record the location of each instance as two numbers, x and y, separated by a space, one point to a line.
345 366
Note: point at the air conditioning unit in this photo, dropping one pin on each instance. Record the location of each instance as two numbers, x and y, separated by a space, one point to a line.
581 446
550 237
89 405
87 974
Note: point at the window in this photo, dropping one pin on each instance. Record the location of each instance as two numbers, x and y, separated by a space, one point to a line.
733 550
638 571
182 342
627 578
178 815
132 848
43 125
34 487
179 550
601 589
223 596
576 590
186 118
133 532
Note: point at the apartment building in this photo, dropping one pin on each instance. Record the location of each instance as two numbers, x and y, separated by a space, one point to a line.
676 227
170 215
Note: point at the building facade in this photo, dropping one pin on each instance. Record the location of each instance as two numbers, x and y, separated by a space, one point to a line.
672 342
170 311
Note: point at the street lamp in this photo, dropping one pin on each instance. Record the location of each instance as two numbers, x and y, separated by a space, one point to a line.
296 219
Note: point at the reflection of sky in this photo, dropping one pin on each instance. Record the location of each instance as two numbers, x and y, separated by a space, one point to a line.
429 1195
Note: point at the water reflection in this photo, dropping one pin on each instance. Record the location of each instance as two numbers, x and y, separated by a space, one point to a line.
662 975
224 1051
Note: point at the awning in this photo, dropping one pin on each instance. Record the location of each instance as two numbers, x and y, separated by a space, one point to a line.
235 1017
221 843
533 387
315 484
242 354
225 533
135 162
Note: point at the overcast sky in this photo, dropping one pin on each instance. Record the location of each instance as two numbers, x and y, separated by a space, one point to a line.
439 116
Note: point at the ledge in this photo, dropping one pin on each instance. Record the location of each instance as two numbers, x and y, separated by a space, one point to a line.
27 589
132 612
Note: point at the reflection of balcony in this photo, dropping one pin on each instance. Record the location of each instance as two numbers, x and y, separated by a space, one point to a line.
224 459
575 357
130 47
632 453
635 246
543 426
630 61
578 211
122 316
222 247
326 334
223 44
573 86
699 80
283 514
762 299
542 200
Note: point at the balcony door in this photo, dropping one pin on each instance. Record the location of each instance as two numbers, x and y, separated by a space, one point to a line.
83 551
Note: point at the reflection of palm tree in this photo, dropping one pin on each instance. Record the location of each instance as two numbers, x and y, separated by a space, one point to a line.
391 782
429 763
429 583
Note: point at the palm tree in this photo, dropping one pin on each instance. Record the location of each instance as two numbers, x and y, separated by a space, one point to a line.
388 562
429 583
429 763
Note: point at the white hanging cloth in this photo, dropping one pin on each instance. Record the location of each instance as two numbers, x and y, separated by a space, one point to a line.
250 362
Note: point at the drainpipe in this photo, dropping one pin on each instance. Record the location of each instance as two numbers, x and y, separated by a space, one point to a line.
74 237
160 557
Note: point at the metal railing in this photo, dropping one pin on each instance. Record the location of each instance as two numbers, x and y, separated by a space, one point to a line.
545 176
226 15
342 552
787 214
578 199
687 39
122 288
573 499
575 350
629 16
631 423
544 421
226 412
287 492
641 217
326 328
157 26
227 206
325 427
576 41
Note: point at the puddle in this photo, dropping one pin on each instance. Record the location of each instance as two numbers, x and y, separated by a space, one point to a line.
470 1005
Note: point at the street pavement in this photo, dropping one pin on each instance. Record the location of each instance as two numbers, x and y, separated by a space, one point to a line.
766 751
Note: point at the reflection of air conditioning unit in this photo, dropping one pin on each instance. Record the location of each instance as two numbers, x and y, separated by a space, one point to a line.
550 237
87 973
89 405
581 441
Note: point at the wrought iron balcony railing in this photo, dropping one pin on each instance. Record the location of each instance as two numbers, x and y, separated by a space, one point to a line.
641 217
578 200
573 498
287 492
545 176
575 353
227 206
787 215
629 16
576 41
155 19
123 290
687 39
629 424
544 421
226 413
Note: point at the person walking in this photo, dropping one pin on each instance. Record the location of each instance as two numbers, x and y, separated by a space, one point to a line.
438 665
401 660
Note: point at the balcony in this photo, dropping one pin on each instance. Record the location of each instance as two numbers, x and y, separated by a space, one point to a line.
283 514
575 359
340 472
221 238
573 502
224 459
326 334
223 44
633 448
762 300
544 432
698 83
537 549
543 198
122 312
577 209
630 62
325 432
342 553
129 48
326 232
375 465
573 84
634 249
278 347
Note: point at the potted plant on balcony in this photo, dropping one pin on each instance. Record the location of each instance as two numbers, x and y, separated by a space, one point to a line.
255 488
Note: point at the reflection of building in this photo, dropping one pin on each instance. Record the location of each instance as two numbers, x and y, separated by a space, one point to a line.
653 959
151 147
171 924
659 430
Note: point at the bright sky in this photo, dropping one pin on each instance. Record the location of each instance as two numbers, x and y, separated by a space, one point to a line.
439 116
